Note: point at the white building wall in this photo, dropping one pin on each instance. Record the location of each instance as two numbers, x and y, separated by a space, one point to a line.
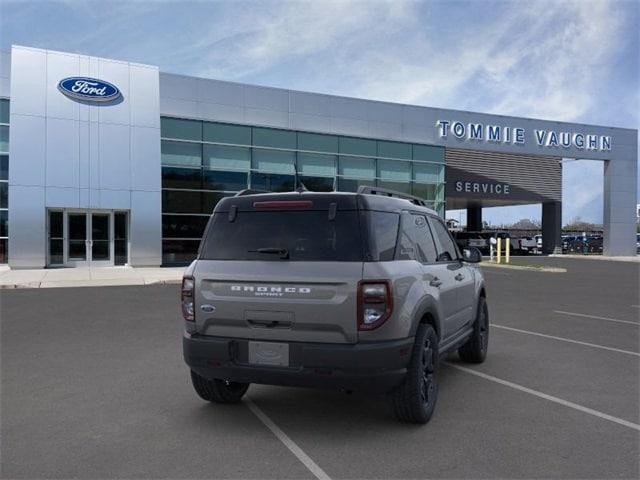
71 154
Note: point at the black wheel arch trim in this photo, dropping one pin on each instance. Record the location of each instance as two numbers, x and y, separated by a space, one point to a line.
427 306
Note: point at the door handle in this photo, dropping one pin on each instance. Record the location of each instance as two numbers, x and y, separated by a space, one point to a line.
436 282
459 277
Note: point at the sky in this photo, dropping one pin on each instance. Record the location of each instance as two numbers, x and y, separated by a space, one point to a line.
574 61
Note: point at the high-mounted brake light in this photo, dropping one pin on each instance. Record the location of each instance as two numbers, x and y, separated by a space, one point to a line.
284 204
186 299
375 303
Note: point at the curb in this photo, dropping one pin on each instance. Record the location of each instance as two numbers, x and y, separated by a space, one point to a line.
88 283
523 267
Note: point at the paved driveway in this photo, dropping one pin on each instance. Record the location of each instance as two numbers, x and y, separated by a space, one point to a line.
93 386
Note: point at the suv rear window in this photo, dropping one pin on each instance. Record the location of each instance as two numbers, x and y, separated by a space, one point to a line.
284 235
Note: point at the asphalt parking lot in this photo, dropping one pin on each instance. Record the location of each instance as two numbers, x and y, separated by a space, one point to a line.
94 386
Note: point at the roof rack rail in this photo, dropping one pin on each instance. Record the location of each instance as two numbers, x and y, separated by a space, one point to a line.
249 191
366 189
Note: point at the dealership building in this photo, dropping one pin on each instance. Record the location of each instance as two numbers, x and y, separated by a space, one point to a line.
106 162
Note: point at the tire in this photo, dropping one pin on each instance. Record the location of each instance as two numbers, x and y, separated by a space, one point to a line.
415 399
475 349
218 391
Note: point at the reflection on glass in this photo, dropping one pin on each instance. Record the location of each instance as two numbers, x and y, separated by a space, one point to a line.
77 224
100 237
120 243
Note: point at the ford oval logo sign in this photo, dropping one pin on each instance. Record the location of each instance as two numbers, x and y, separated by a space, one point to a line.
89 89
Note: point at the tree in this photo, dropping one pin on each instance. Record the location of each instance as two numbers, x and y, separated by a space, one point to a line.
578 225
526 224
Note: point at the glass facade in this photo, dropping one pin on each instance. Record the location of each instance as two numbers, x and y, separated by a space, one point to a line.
4 180
203 162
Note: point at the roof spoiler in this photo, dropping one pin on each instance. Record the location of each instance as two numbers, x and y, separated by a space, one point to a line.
368 190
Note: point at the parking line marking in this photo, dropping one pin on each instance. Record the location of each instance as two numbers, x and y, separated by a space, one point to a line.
596 317
563 339
290 444
551 398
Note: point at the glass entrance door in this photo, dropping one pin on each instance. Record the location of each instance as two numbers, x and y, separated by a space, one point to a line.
100 242
77 239
82 238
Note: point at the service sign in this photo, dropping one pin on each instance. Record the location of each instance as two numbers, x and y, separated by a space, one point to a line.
88 89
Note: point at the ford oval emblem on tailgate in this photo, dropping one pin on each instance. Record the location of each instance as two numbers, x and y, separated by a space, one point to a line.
208 308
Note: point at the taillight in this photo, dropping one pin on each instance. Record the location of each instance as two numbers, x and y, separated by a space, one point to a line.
186 299
375 303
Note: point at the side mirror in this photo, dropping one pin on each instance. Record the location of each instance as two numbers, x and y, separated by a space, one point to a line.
471 255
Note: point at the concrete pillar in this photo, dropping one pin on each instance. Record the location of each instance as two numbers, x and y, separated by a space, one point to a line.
619 213
474 219
552 227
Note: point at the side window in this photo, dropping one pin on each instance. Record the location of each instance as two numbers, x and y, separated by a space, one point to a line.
446 246
383 228
416 242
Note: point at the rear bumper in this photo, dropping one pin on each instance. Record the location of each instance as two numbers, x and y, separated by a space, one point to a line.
373 367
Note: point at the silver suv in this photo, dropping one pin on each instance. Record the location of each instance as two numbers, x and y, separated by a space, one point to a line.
354 291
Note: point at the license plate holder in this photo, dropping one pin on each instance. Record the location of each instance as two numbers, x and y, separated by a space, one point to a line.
269 353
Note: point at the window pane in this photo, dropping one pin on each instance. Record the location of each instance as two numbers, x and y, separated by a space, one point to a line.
229 181
223 133
397 186
428 172
394 150
179 251
273 161
183 129
120 242
317 184
306 235
55 252
227 158
317 143
397 171
428 153
357 167
427 191
211 199
55 225
4 195
183 226
270 137
272 183
4 167
358 146
4 139
383 230
179 153
446 246
120 226
120 251
4 223
4 111
423 239
174 201
349 185
173 177
4 257
316 164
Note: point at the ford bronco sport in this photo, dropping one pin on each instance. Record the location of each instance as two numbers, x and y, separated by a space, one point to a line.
354 291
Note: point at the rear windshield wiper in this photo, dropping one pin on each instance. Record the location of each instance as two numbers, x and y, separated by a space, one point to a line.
283 252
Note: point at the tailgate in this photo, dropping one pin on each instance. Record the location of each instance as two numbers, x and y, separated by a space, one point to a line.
278 301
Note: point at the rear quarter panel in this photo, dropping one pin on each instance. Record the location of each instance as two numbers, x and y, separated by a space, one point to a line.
409 296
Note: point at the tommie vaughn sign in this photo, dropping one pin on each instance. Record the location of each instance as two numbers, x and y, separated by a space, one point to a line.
89 89
516 135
